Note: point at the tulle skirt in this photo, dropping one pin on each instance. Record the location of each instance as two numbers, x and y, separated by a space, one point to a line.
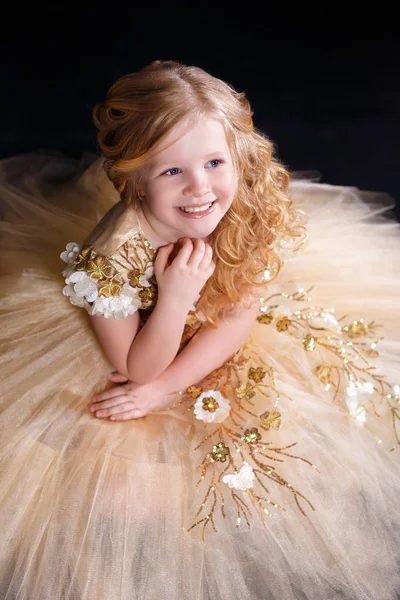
100 510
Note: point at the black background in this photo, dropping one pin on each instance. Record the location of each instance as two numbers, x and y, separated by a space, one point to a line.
323 82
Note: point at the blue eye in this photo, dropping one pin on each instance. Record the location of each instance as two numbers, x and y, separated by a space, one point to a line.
175 170
215 160
170 171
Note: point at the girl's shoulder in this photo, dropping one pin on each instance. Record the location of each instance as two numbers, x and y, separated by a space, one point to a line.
111 272
118 225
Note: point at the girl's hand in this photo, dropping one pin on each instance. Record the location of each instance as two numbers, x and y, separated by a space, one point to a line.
127 401
184 276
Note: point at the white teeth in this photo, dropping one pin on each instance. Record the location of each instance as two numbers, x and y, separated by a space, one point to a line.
198 209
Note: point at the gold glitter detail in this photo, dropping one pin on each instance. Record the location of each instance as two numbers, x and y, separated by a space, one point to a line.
270 419
309 343
100 268
111 287
195 391
81 261
220 452
252 436
130 261
257 374
324 373
134 278
266 319
245 391
344 355
210 404
147 294
356 329
283 324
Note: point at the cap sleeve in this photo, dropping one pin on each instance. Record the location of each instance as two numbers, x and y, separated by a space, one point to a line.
114 285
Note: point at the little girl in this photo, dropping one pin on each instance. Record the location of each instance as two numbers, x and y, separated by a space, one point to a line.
248 446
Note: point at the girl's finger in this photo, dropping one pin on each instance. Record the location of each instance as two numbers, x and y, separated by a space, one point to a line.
197 254
113 401
184 253
135 413
111 393
106 412
207 258
160 263
115 376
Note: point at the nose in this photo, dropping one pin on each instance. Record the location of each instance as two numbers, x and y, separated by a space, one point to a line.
197 185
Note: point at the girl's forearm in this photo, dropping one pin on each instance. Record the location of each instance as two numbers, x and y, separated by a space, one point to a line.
207 351
157 343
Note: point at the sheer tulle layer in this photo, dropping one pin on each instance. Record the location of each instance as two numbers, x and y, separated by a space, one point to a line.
91 509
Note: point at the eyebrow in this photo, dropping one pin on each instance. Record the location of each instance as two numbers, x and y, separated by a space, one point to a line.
210 155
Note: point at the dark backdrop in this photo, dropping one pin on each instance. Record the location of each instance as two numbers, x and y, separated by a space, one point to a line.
324 83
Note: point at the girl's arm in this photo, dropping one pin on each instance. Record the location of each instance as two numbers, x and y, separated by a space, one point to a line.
157 343
142 355
208 350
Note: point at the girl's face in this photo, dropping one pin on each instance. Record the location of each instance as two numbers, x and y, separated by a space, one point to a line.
196 170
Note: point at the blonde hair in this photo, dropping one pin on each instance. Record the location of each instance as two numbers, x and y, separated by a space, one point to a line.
141 108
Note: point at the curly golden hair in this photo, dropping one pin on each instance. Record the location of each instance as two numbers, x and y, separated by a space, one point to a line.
141 108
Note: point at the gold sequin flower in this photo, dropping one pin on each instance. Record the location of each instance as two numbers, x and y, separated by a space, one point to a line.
270 419
356 329
147 294
194 391
257 374
100 268
245 391
140 279
220 452
81 261
265 319
309 343
111 287
283 324
134 277
212 407
252 436
324 373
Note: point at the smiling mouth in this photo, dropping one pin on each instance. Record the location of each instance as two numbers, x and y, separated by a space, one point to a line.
197 207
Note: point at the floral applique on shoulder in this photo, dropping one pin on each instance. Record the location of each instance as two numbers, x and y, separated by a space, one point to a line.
116 285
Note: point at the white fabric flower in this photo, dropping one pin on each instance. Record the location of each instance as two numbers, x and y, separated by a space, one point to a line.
282 311
118 307
396 390
327 321
216 416
357 412
70 253
74 298
83 286
367 387
354 397
242 480
82 291
148 274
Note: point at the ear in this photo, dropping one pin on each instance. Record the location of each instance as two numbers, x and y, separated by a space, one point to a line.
139 184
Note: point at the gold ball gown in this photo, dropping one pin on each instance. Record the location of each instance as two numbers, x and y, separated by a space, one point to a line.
276 477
